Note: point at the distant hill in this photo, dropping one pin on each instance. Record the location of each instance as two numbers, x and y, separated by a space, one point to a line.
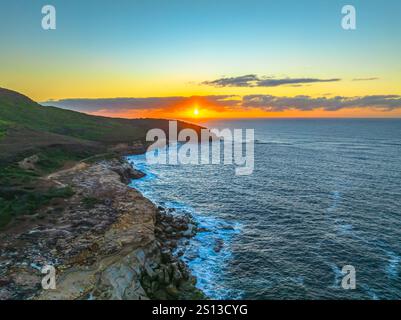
26 125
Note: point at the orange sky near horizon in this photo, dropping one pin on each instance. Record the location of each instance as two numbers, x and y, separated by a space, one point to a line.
205 114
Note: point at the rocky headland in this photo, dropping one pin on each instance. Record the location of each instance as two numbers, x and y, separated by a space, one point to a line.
106 241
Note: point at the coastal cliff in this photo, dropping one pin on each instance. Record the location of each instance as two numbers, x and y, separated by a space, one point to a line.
106 241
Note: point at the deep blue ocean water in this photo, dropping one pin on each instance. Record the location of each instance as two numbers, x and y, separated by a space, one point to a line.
324 194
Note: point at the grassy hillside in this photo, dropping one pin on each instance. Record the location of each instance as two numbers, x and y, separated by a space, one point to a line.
57 137
26 125
18 109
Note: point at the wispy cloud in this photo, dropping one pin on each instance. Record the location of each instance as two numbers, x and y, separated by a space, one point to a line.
295 81
252 80
366 79
267 103
249 80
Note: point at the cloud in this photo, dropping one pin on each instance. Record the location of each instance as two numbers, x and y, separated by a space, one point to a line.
249 80
222 103
151 103
90 105
296 81
365 79
307 103
252 80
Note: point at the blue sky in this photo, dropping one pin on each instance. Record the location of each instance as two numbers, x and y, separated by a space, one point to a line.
221 35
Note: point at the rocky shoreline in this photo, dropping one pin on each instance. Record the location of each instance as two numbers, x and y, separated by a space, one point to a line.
107 241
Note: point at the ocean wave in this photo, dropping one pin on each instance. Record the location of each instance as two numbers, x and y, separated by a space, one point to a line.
393 264
209 251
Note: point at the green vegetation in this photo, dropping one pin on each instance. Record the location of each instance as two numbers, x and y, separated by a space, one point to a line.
90 202
14 175
3 128
19 194
53 159
26 202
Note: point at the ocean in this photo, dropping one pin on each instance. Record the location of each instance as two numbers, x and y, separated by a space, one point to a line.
325 193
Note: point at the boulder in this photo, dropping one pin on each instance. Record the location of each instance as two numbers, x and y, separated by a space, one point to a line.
29 163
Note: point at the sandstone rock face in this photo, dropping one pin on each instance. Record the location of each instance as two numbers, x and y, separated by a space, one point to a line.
106 242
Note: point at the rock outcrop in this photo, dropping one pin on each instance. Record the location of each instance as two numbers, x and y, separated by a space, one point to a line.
106 242
29 163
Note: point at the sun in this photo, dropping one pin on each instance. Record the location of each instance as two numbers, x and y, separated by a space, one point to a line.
196 112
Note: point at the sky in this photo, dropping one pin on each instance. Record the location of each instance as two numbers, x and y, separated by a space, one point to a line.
206 59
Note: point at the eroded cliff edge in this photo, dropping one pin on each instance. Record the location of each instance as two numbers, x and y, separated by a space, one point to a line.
106 241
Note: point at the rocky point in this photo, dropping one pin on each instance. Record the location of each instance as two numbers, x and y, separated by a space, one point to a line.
106 242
